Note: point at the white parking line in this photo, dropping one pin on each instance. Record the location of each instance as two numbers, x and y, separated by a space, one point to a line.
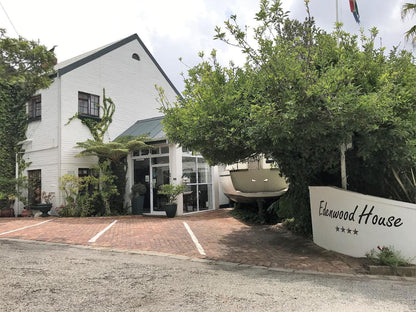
195 240
25 227
92 240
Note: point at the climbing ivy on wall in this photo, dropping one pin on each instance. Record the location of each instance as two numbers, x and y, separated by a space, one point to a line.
25 66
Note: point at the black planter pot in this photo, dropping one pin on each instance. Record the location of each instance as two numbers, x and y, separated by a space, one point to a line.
44 208
170 210
137 205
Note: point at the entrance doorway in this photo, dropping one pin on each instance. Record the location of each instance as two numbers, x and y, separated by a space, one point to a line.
152 171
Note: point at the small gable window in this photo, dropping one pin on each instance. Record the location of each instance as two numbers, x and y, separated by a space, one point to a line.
35 108
136 57
88 104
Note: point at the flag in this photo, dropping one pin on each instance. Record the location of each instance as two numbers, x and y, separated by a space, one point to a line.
354 10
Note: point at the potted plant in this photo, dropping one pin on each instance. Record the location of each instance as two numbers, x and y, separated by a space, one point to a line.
171 192
138 191
46 204
6 205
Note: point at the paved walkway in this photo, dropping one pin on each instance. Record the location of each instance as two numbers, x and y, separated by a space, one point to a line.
212 235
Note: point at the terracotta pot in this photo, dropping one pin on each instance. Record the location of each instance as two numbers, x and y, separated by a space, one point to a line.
26 213
7 212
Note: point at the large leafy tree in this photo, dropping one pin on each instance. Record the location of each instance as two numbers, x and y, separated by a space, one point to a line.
409 9
301 94
25 66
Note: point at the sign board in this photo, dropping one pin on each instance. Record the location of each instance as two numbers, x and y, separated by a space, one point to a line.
352 224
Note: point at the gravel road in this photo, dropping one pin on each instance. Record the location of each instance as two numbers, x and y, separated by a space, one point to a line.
52 277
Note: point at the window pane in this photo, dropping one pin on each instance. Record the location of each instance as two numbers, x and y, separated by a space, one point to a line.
160 160
190 198
88 104
164 149
83 109
34 107
82 103
188 169
95 105
94 110
204 171
205 196
83 172
30 110
38 110
34 186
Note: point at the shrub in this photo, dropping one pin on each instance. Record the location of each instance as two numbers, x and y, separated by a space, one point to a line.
386 256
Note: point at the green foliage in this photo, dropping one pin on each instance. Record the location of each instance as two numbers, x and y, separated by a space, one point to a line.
246 213
114 151
25 66
386 256
409 9
138 189
249 213
404 185
301 94
70 185
171 191
71 210
98 191
89 196
14 187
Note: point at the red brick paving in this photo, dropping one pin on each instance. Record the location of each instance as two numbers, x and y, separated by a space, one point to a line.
221 236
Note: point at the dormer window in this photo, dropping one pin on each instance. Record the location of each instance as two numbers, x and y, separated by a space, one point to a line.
35 108
88 104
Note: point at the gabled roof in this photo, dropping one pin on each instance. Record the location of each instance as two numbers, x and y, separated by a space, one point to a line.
73 63
151 127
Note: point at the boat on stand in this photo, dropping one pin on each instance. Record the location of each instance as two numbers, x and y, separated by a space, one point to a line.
256 180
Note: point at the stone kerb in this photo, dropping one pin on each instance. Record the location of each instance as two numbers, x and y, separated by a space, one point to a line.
352 223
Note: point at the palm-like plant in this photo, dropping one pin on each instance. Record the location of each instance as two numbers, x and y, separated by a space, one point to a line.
113 151
409 9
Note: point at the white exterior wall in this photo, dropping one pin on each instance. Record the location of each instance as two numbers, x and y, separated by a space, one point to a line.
128 82
41 149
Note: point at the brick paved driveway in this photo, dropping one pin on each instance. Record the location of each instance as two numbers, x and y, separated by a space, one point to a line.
221 237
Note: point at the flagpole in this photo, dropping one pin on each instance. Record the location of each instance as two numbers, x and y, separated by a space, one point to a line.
336 7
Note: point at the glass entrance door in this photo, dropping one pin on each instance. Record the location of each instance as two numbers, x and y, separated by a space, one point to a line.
152 171
160 175
142 175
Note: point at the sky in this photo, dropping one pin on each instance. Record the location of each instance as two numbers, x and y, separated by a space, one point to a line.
179 29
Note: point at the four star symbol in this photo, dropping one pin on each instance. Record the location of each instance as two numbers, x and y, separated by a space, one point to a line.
348 230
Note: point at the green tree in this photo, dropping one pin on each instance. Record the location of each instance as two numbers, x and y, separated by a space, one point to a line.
410 9
301 94
25 66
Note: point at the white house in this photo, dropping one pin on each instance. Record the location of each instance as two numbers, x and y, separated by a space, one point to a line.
129 73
